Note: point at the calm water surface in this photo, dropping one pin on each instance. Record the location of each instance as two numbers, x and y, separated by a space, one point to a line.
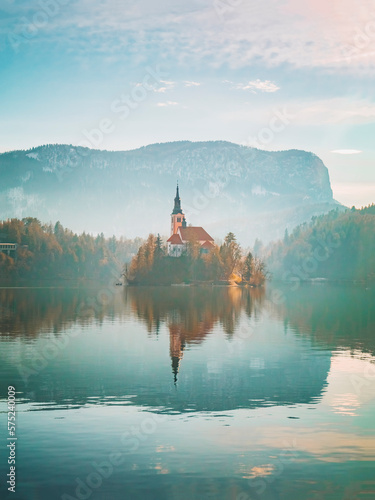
190 393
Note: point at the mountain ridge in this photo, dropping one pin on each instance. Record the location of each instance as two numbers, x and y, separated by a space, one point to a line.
224 186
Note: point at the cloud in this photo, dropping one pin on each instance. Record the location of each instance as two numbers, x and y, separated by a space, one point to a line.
167 103
261 86
191 84
161 90
166 86
314 33
346 151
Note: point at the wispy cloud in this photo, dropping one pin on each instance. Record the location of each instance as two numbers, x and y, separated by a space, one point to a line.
166 86
166 104
191 84
267 31
347 151
257 85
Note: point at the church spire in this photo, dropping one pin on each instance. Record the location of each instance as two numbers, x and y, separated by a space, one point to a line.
175 367
177 203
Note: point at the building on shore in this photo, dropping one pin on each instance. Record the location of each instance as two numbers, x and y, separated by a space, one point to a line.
183 235
10 249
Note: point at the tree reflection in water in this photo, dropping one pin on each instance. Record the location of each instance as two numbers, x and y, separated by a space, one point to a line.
191 313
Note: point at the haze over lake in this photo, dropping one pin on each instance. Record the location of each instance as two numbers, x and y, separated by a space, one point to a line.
191 392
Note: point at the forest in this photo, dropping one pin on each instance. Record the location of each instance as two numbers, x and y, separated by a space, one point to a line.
46 251
339 245
225 263
336 246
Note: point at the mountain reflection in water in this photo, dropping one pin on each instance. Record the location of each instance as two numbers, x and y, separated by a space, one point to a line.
205 392
224 346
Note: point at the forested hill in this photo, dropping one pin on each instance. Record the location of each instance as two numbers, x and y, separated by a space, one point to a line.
338 246
46 251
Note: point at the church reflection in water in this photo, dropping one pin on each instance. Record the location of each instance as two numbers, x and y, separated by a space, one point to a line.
191 313
228 348
257 363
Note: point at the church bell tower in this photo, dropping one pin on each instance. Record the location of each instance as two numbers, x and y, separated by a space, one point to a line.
177 217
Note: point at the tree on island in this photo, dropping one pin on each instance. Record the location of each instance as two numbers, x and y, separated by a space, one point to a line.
230 252
258 273
247 267
226 263
159 251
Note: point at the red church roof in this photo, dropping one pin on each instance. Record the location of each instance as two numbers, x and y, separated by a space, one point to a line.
175 239
194 233
207 245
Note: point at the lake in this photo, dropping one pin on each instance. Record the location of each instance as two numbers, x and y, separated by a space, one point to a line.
189 392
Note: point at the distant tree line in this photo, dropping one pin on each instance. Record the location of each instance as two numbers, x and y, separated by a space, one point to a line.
47 251
227 262
338 245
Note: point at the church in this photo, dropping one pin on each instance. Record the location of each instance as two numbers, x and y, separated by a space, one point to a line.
181 234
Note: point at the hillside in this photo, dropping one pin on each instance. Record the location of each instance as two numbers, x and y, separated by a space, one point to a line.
223 187
50 252
337 246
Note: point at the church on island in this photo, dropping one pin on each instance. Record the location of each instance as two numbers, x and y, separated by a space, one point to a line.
182 235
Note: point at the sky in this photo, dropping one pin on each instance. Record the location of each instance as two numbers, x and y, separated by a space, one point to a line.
117 75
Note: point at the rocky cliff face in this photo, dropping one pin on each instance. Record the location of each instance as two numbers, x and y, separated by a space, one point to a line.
223 187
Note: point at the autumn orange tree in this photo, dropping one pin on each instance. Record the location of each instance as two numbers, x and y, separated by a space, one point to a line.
47 251
152 265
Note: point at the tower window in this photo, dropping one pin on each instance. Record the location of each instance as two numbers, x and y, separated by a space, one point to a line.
178 219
